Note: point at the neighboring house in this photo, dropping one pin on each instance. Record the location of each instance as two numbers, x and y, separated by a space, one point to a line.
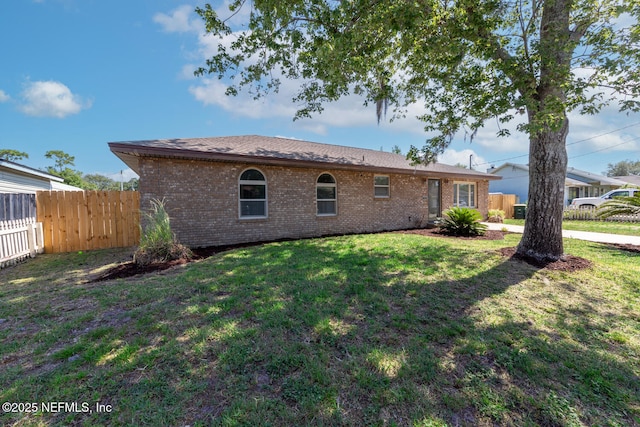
17 178
228 190
578 183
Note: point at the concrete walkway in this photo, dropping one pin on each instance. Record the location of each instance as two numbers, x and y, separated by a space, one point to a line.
570 234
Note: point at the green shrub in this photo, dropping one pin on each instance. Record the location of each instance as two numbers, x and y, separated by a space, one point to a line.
157 241
495 215
463 222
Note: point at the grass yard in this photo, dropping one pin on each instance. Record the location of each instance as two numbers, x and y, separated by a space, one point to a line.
384 329
624 228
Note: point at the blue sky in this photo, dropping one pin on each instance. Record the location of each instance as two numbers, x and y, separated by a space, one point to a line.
77 74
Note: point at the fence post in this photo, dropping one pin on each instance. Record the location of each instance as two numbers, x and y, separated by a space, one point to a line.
31 238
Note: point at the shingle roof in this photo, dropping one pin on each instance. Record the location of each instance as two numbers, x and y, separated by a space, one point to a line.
594 178
281 151
582 178
631 179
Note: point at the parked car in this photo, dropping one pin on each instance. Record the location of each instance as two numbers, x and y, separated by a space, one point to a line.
592 202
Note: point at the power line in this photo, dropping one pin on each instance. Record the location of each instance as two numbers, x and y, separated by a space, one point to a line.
603 149
604 134
576 142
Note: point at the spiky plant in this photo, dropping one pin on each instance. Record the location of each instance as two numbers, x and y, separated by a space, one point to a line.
463 222
629 205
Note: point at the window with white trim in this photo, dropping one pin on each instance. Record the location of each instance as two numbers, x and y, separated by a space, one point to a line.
464 194
381 186
326 195
253 194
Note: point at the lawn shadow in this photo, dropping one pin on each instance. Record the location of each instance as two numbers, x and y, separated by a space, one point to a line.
349 313
342 331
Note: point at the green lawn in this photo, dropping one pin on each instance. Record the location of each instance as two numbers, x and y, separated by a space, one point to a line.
383 329
625 228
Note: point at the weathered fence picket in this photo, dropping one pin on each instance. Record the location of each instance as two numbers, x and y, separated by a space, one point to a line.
15 206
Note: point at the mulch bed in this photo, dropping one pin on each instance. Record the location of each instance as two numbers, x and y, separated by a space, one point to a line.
567 263
130 269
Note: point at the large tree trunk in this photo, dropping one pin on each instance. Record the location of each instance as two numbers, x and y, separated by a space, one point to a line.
548 127
542 238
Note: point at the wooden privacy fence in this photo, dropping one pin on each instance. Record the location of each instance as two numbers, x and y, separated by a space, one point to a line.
15 206
503 202
85 220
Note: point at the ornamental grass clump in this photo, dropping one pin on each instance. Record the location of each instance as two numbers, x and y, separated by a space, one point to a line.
463 222
496 215
157 242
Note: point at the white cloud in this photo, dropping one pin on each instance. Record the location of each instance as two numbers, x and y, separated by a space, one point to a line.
51 99
187 72
347 112
180 20
212 92
453 157
605 132
184 19
3 96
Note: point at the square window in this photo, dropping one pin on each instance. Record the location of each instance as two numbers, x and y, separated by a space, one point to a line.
464 194
381 186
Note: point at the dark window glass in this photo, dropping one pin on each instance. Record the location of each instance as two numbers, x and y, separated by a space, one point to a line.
252 175
326 195
253 194
325 178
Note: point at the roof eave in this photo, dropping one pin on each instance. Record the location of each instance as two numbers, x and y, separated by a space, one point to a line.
129 153
29 171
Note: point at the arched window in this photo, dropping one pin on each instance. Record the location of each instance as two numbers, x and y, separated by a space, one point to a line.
253 194
326 195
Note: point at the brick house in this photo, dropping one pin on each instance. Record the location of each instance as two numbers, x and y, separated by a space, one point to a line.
238 189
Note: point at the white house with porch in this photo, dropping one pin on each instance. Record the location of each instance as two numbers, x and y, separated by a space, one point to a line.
578 183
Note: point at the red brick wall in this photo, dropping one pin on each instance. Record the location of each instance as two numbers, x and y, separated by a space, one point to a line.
202 200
